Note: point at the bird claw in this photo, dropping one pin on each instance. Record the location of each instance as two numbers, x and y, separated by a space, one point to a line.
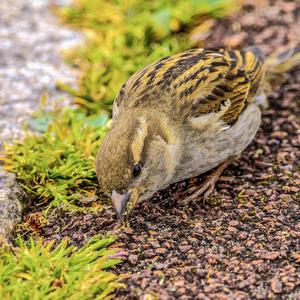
206 189
208 186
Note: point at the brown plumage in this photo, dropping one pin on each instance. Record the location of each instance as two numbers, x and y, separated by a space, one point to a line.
182 116
197 82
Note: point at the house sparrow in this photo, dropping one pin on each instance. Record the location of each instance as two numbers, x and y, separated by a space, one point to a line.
182 116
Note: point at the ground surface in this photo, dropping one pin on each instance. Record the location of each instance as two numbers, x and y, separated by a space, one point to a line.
245 243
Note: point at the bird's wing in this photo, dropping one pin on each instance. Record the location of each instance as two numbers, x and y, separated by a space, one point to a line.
196 82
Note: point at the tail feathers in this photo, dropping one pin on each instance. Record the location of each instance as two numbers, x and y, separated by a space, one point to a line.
281 61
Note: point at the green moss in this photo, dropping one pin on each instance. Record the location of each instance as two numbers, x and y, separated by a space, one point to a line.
58 165
213 200
33 224
240 197
36 270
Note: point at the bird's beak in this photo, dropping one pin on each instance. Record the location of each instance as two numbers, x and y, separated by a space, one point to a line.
119 203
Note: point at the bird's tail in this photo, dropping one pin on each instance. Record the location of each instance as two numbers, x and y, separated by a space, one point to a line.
280 62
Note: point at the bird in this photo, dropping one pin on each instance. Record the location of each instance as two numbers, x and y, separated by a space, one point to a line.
182 116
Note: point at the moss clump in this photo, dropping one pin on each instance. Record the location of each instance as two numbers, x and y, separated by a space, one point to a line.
37 271
58 165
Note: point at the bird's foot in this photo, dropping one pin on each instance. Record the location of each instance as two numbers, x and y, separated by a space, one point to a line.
208 186
205 189
155 206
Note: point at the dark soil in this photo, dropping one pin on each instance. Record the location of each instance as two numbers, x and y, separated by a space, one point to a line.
245 242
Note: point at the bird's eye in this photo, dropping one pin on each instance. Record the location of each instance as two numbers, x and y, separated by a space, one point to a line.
136 171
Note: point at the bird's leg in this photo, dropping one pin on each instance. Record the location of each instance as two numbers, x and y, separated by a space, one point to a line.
208 186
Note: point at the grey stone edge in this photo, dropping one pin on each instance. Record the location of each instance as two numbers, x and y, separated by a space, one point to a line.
13 201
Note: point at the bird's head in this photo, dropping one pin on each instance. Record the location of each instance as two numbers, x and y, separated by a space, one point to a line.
136 158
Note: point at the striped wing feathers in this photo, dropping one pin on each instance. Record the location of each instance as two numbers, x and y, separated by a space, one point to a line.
195 82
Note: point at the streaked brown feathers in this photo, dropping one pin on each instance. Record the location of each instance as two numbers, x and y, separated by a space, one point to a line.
197 81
